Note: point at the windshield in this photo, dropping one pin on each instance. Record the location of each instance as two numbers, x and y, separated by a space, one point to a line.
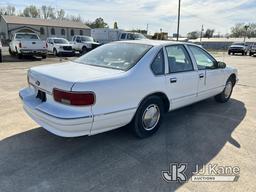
85 38
60 41
26 36
241 44
121 56
139 36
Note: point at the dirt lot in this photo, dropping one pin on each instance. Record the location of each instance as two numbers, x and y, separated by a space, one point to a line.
32 159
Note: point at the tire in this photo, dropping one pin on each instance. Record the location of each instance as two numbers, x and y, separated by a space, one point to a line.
243 53
225 95
20 56
250 53
229 52
1 57
55 52
10 52
44 56
141 127
84 50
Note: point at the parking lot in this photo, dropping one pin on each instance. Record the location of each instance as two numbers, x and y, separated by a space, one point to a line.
33 159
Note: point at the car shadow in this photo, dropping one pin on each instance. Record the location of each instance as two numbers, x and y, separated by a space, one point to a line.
36 160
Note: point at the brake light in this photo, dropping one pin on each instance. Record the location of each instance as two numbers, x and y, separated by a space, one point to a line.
20 45
74 98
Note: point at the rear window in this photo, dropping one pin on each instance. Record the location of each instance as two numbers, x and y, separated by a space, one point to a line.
26 36
122 56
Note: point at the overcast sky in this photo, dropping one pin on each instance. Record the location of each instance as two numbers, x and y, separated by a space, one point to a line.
215 14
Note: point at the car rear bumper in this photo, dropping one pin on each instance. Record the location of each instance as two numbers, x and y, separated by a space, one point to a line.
236 50
33 52
59 125
72 123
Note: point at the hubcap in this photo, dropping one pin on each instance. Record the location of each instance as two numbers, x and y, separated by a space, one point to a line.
228 89
150 117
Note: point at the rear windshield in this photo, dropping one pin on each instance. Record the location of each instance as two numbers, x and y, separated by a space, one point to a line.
122 56
26 36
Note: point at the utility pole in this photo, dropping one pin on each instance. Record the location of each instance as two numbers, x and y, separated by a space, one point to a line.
201 35
246 29
178 27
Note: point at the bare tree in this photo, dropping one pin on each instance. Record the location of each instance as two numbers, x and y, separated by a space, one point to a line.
48 12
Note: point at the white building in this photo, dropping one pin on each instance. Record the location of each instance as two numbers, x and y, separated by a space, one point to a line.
43 27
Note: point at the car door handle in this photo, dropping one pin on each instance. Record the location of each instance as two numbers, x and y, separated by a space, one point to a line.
173 80
201 75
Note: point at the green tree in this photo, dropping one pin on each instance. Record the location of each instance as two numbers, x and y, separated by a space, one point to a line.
115 25
98 23
209 33
31 11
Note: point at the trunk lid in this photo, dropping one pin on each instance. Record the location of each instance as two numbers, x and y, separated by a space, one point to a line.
64 75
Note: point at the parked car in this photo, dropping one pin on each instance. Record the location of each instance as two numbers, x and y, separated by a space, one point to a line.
59 46
103 35
120 83
1 57
83 44
252 50
238 48
27 44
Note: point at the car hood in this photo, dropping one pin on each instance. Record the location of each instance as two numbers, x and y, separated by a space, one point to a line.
63 44
65 75
95 43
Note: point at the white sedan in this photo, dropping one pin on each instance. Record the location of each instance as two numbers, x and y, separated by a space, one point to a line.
120 83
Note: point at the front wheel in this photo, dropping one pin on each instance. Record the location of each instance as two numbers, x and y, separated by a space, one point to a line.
148 117
225 95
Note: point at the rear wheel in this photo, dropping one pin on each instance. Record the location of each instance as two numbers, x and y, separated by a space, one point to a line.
10 52
225 95
1 57
250 53
148 117
44 56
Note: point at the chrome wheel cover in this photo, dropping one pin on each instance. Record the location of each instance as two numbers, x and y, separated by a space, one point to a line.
150 117
228 89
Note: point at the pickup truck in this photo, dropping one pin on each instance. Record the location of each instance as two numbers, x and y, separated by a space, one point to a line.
238 48
27 44
83 44
1 57
103 35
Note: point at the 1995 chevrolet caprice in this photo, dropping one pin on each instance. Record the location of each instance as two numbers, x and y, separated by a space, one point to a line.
119 83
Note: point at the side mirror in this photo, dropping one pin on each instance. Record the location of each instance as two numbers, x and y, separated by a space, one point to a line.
221 65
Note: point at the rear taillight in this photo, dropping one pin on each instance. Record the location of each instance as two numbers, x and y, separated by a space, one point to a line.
20 45
74 98
46 45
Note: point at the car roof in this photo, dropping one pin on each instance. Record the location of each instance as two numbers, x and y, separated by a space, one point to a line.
156 43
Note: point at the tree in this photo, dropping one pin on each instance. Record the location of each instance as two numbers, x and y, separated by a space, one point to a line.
115 25
209 33
9 10
31 11
48 12
98 23
60 14
193 35
242 30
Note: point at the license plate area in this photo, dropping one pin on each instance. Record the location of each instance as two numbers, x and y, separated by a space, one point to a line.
41 95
